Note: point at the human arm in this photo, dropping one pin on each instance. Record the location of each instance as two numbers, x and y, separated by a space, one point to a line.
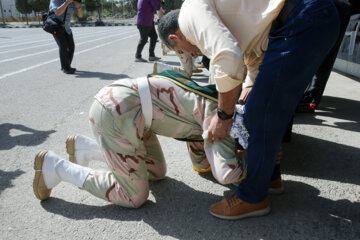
252 62
155 4
79 9
218 128
61 9
201 25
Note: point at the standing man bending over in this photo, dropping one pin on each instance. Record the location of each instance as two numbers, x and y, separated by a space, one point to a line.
289 38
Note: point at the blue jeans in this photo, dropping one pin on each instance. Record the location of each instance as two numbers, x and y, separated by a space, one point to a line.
295 51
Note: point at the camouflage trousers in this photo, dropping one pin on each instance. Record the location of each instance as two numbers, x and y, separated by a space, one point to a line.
132 151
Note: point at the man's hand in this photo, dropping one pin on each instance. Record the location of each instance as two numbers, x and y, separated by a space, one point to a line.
244 95
218 129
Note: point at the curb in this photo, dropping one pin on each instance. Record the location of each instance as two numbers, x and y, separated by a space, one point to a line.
75 25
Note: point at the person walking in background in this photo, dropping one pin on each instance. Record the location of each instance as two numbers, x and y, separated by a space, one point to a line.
63 9
145 24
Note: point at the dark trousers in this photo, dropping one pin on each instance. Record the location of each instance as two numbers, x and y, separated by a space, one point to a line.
315 89
66 49
145 33
295 52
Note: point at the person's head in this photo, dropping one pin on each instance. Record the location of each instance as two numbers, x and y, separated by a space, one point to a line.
171 35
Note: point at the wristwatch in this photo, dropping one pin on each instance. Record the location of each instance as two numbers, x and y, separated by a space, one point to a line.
224 116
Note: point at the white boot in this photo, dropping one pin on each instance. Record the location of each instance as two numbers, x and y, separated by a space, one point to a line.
45 175
71 172
160 67
82 150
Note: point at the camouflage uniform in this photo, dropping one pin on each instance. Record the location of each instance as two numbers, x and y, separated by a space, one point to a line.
132 151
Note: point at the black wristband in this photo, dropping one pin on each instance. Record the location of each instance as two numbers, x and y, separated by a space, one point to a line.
224 116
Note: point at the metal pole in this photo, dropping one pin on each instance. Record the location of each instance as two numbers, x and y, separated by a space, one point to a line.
2 13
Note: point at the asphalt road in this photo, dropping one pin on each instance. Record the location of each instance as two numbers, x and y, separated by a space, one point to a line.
40 106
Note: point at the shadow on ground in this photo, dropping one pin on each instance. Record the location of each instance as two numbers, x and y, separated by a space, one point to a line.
312 157
12 135
6 178
345 111
99 75
182 213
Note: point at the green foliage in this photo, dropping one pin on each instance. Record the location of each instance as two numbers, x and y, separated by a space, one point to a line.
39 5
23 6
93 5
172 4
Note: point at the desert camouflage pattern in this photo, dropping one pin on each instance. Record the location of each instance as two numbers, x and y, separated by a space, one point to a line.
133 152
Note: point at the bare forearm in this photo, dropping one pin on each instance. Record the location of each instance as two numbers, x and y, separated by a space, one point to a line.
79 9
60 10
227 100
80 13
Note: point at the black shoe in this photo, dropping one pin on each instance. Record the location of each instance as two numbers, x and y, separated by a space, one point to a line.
306 108
69 70
140 59
154 58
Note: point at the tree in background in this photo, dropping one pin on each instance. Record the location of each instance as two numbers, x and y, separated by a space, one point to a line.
39 6
24 7
172 4
94 5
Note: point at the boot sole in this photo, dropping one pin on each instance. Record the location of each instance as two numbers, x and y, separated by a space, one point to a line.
276 191
197 71
258 213
70 147
38 183
155 67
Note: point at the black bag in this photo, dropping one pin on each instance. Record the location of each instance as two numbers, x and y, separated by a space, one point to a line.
52 24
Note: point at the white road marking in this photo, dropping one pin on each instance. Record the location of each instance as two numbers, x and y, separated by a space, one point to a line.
55 49
52 42
57 59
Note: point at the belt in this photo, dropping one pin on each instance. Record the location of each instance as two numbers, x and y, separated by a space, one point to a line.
145 99
289 5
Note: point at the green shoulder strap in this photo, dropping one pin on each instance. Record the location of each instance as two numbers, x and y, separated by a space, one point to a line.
208 91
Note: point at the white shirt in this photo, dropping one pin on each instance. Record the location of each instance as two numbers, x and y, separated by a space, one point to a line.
232 33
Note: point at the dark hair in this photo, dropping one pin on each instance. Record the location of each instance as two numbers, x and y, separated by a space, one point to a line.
168 24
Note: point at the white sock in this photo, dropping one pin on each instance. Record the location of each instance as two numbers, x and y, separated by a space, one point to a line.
83 158
72 173
48 170
87 149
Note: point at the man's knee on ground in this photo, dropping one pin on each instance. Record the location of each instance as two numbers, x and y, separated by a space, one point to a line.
229 176
136 200
224 179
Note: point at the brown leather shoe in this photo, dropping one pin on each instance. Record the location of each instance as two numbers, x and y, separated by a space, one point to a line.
233 208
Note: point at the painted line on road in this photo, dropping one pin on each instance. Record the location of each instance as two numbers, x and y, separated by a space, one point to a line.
35 41
36 37
54 49
51 42
57 59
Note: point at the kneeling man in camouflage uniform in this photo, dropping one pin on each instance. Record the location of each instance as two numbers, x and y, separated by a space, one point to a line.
125 118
